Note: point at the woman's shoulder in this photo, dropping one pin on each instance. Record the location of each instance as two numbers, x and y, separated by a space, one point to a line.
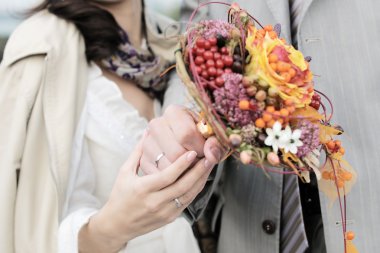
40 34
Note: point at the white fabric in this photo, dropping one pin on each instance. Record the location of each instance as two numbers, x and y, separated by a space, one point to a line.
108 130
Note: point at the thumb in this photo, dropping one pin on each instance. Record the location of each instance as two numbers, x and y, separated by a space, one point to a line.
213 150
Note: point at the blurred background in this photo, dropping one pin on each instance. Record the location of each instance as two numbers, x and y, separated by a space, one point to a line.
10 16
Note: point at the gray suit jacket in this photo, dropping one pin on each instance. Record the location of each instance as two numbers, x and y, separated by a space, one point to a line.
343 38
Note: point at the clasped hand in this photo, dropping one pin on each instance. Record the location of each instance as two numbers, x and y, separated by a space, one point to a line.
140 204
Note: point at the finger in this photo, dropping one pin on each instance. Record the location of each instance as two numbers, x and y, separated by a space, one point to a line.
189 196
187 181
152 152
164 178
133 161
213 150
165 139
184 128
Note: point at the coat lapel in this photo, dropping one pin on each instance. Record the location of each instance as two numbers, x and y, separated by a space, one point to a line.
280 12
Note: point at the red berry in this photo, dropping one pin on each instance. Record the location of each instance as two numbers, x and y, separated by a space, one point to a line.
200 43
219 81
210 63
200 51
219 64
203 66
198 69
204 74
208 55
207 44
199 60
228 61
212 83
217 56
224 50
213 41
194 50
214 49
219 72
211 71
227 70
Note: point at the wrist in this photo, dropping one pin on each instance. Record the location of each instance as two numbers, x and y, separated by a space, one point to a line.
101 234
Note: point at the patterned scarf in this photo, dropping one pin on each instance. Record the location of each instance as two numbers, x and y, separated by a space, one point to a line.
140 66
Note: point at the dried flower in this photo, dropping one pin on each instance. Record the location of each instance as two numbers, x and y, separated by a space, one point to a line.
211 28
249 133
309 137
227 100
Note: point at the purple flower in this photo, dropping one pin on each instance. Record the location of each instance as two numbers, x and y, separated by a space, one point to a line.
309 137
211 28
227 101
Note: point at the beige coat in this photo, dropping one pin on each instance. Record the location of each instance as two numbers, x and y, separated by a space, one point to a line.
43 80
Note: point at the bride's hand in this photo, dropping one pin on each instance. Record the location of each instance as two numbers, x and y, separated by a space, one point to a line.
138 205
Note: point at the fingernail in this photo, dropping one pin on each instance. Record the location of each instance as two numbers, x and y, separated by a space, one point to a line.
208 164
217 153
191 156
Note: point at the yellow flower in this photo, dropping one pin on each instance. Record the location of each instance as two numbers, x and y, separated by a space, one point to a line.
286 70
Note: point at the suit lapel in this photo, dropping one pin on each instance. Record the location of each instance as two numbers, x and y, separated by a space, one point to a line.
280 12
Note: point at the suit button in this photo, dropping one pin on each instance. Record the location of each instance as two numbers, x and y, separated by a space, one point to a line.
269 226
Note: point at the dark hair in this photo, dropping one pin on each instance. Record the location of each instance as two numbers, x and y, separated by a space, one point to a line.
102 34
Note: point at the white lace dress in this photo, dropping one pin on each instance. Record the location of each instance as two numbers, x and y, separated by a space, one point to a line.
108 130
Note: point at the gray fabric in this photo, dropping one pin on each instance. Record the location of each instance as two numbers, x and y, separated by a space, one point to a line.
342 37
246 207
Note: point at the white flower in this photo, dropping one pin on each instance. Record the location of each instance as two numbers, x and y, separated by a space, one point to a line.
274 135
289 140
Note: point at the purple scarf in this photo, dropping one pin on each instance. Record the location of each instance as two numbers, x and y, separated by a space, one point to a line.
140 66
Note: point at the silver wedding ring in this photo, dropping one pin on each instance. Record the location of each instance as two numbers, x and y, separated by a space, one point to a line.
158 158
178 203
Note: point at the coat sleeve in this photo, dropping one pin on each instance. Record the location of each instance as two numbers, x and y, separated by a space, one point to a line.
19 82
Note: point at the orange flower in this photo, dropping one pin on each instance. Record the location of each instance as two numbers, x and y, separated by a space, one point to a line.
281 66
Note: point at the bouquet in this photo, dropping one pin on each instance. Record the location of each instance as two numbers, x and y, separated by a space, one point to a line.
255 93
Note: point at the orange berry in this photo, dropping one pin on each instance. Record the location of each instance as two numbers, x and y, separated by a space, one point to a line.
286 76
340 183
332 175
342 150
268 28
272 58
273 66
288 102
338 143
292 72
284 112
276 115
271 123
272 34
350 235
260 123
280 66
291 109
281 121
326 175
330 145
262 32
346 176
270 109
244 105
267 116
